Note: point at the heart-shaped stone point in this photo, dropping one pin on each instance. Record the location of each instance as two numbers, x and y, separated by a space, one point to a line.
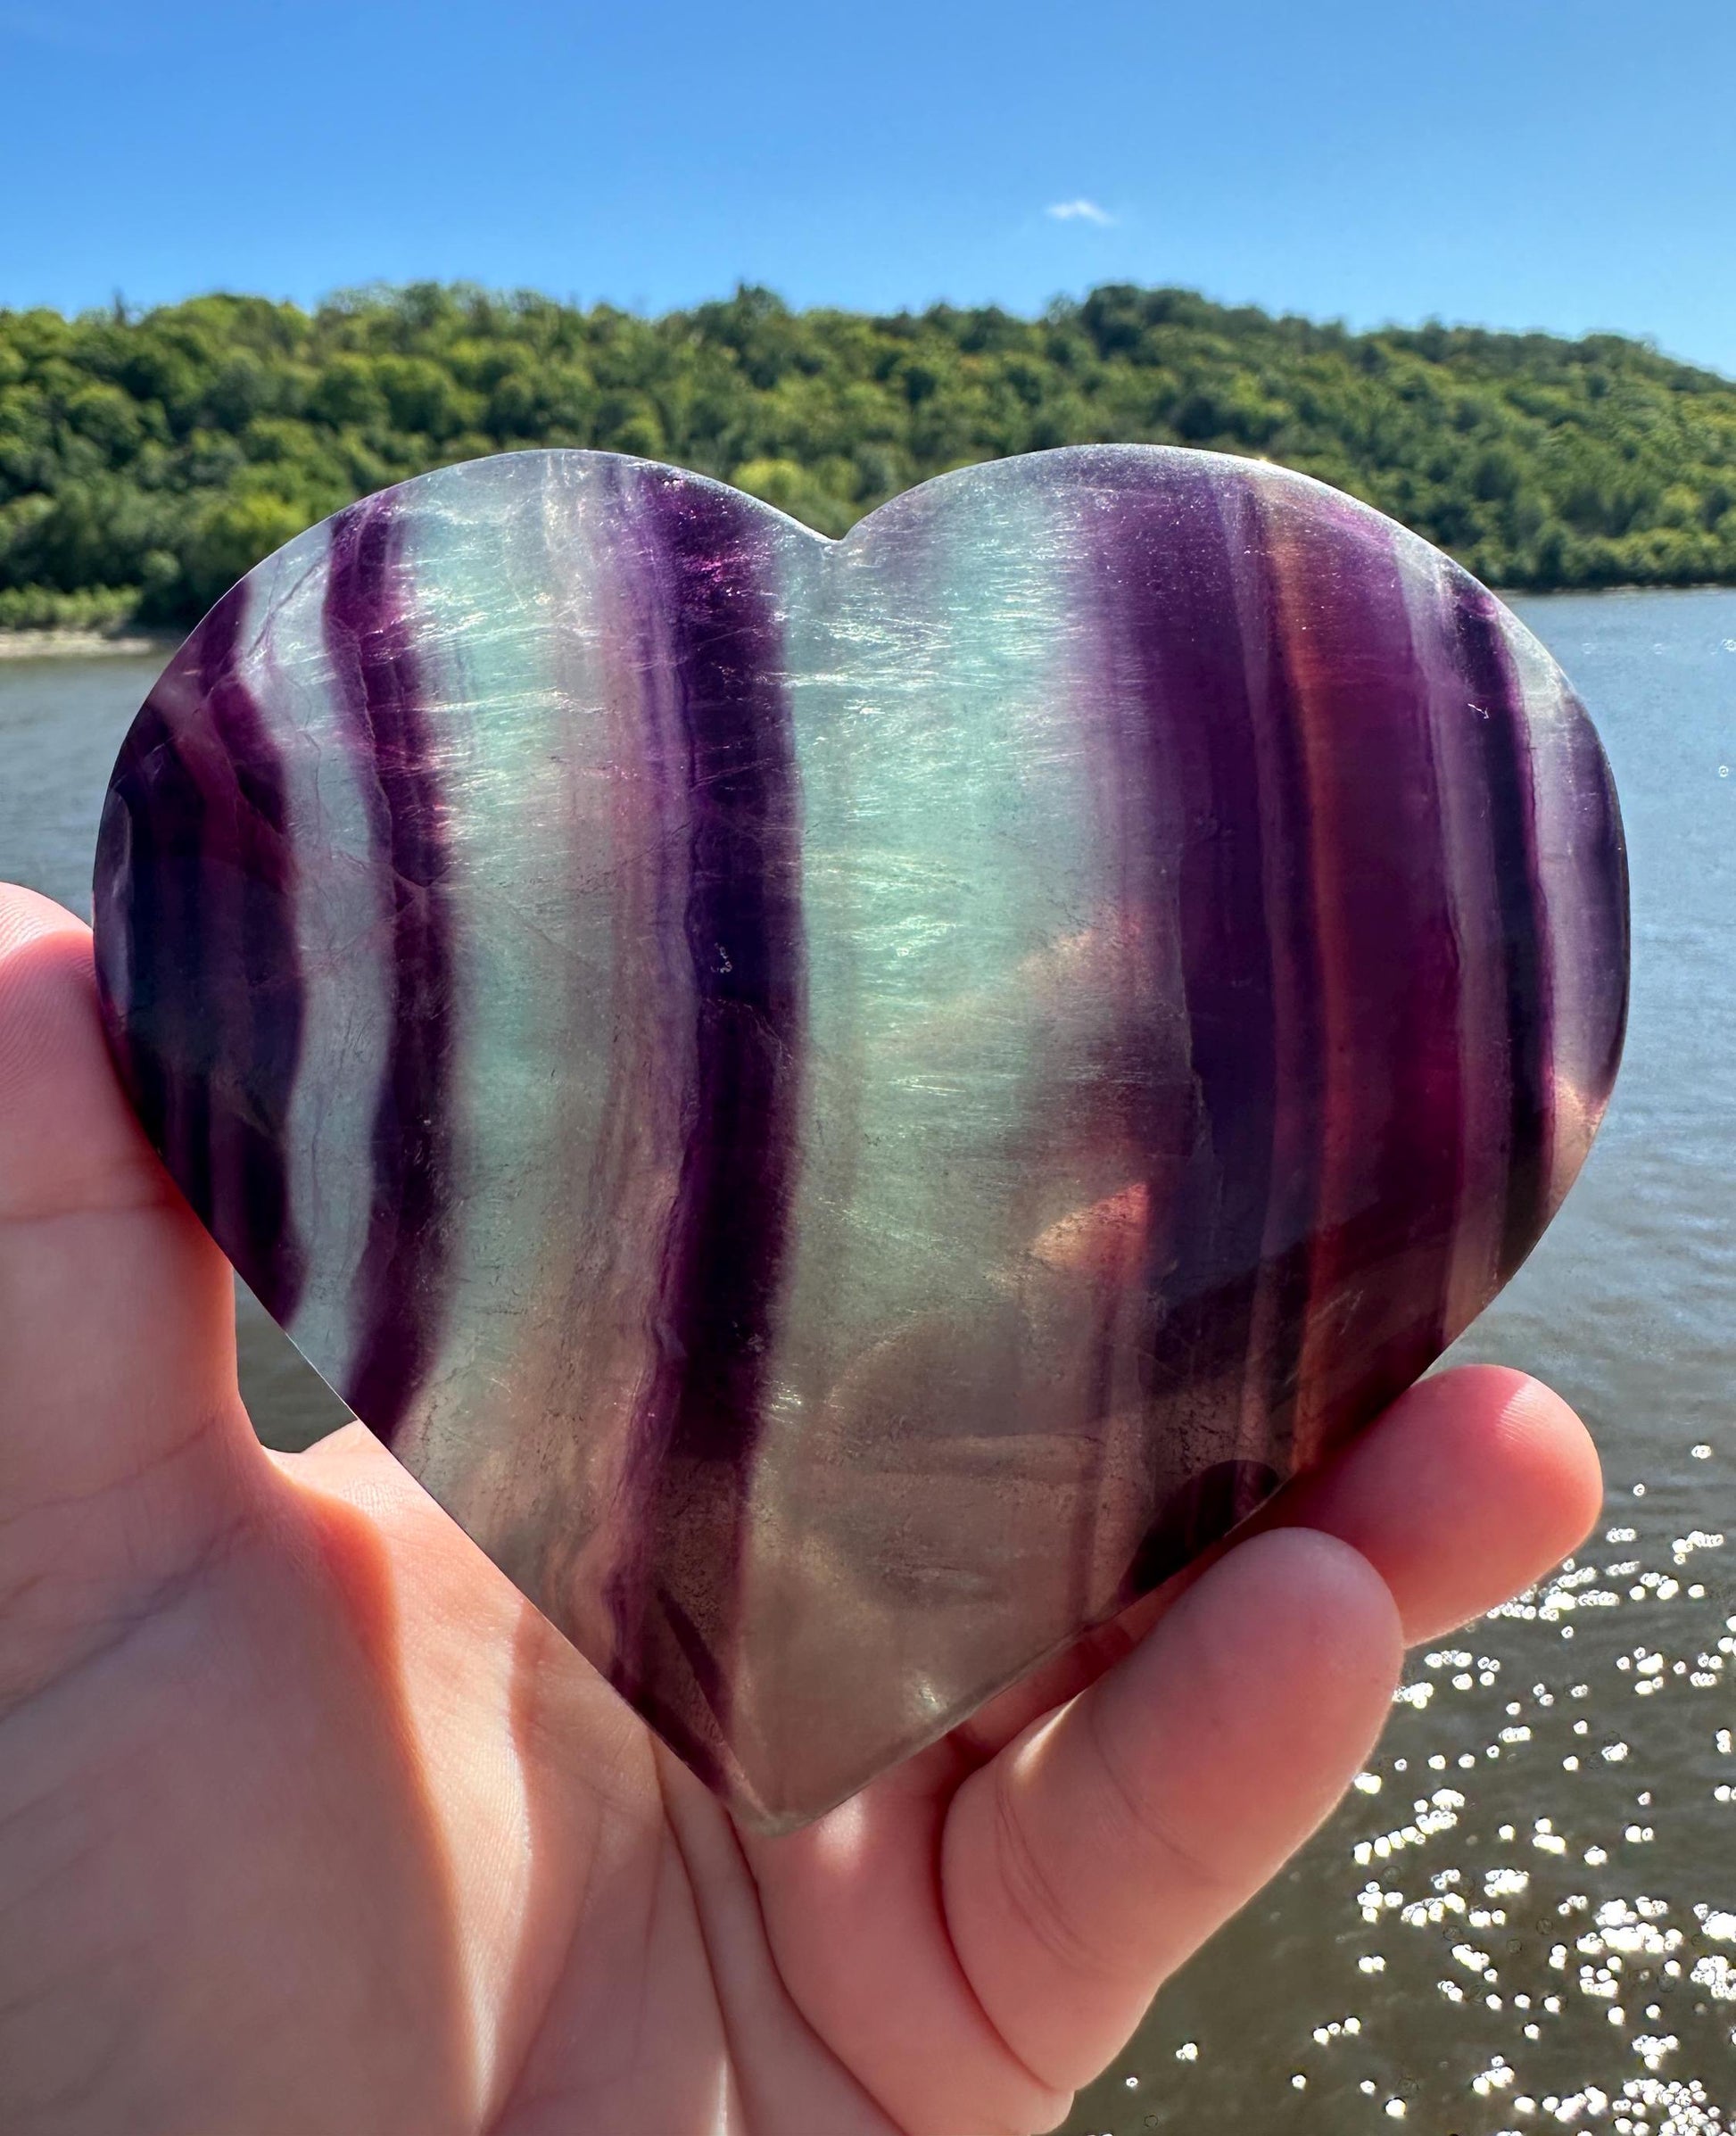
848 1106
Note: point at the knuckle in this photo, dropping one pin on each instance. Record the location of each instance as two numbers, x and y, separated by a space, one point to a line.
1144 1831
1036 1901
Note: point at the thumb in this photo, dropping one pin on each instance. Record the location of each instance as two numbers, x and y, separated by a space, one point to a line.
125 1453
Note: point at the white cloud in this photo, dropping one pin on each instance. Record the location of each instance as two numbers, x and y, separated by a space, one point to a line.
1080 210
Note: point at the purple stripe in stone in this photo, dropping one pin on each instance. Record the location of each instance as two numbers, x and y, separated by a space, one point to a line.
370 639
1201 742
722 1264
1290 923
1186 678
1498 703
195 878
1393 1181
1403 942
1603 891
1596 885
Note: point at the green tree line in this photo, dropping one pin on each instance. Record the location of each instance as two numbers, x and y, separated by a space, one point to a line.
147 459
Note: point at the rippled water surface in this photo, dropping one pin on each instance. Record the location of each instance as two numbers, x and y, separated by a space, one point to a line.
1525 1918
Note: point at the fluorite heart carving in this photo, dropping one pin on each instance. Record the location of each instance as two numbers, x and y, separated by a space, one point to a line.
848 1106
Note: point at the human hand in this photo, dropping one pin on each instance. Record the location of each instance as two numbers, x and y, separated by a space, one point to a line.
309 1822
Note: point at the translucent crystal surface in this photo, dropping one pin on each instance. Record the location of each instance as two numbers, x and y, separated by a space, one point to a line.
848 1106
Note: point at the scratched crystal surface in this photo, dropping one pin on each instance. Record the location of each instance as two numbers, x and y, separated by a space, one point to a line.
847 1107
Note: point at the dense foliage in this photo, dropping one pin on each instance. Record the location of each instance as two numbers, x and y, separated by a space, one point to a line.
145 461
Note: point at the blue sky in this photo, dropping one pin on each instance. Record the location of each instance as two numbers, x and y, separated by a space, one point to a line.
1562 163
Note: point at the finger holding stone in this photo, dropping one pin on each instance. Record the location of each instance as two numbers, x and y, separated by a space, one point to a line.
1473 1484
123 1444
1082 1866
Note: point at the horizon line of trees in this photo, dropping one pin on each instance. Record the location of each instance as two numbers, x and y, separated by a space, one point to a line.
147 461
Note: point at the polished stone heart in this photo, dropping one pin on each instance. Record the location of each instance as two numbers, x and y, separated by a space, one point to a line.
848 1106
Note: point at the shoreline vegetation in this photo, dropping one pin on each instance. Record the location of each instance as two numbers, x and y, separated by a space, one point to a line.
148 458
85 645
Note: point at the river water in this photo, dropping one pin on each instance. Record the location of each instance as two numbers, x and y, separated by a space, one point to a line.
1525 1917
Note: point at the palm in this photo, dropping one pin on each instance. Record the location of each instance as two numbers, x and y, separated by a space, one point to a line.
308 1822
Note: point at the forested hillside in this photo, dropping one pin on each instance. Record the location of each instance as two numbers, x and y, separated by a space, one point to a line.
147 461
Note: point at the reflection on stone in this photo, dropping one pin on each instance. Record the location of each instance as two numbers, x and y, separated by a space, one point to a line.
847 1107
